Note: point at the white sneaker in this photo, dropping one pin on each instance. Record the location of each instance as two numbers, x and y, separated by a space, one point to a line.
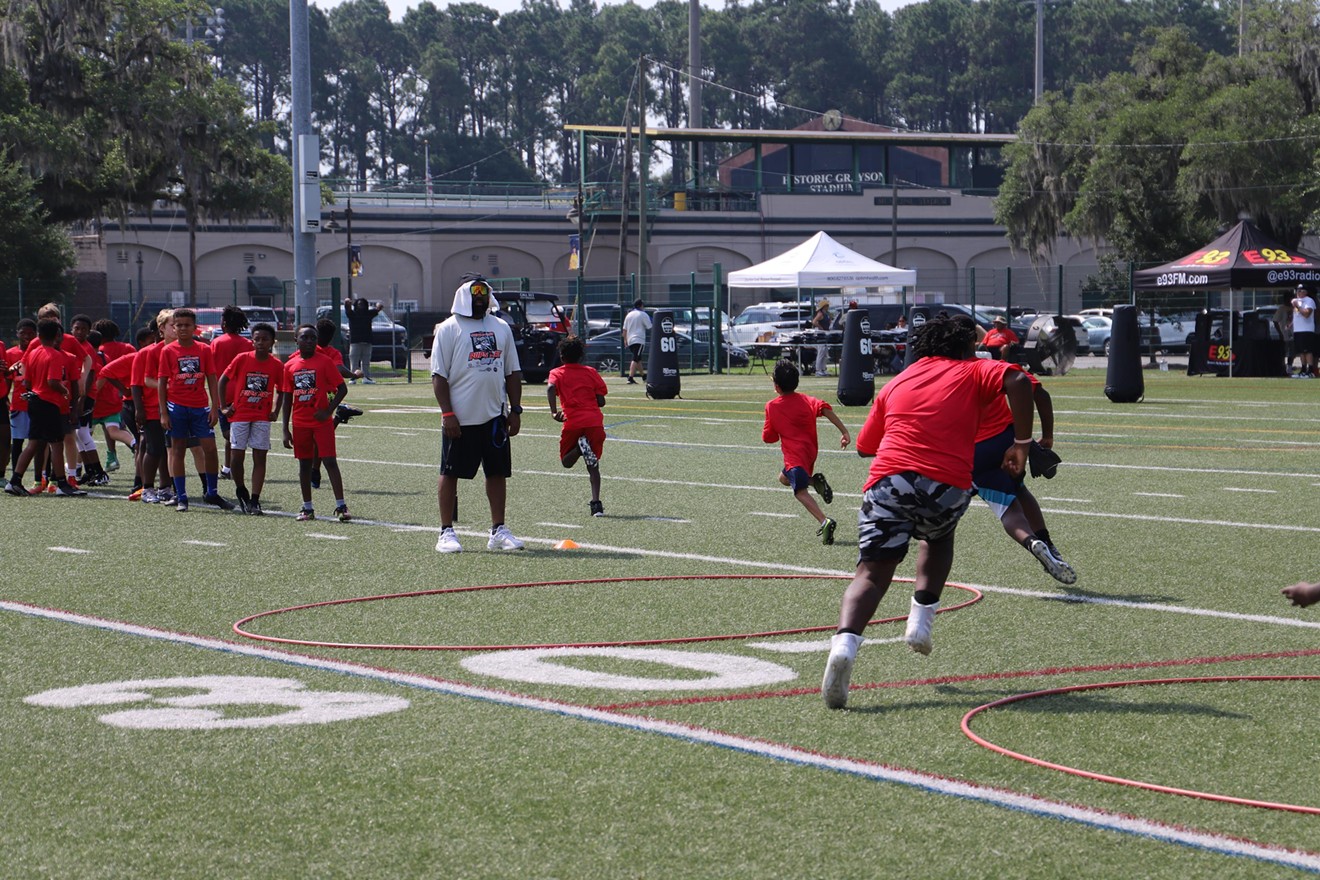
920 617
838 669
1057 568
502 539
448 542
149 496
588 457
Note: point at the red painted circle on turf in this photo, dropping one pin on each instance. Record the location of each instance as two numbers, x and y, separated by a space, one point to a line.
1119 780
313 643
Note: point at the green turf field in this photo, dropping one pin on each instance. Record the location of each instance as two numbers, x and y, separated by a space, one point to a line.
678 758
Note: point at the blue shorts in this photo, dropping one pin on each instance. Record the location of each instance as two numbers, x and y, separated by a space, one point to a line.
904 506
996 486
798 479
190 421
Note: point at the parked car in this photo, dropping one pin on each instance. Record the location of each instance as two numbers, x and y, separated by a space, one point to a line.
538 326
694 323
604 352
208 324
599 317
263 315
389 339
759 322
1099 328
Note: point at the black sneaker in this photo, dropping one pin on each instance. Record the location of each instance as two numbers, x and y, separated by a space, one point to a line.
101 479
1052 562
254 507
826 531
597 509
65 489
344 412
244 499
15 488
822 487
217 501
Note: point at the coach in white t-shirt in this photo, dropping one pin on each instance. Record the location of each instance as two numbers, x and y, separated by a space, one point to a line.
1304 339
636 331
474 367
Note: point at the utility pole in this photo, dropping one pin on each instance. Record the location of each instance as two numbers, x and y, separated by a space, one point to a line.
1040 49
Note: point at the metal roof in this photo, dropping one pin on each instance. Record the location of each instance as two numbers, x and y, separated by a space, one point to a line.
780 136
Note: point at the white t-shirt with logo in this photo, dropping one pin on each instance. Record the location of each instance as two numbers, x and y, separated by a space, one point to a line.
1303 323
475 355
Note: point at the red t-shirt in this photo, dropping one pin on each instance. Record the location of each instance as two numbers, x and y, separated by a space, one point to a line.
576 386
185 369
16 401
42 364
253 385
114 349
791 419
335 355
4 371
926 419
120 369
996 415
311 381
226 347
106 399
995 337
145 363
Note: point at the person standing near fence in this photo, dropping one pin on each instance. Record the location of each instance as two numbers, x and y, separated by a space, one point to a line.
360 315
636 332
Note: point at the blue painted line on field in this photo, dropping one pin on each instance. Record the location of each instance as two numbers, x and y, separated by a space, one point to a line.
1022 803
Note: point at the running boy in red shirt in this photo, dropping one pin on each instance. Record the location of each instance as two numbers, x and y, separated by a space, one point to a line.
922 432
253 383
790 418
189 408
310 379
580 391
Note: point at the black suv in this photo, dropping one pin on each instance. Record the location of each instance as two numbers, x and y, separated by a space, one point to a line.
538 325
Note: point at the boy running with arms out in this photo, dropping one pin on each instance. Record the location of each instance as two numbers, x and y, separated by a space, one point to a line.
310 380
580 391
253 383
189 408
790 418
922 431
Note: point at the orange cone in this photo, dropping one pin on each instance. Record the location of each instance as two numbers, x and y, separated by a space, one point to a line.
567 544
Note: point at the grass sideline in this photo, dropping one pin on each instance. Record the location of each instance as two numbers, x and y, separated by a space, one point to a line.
1183 514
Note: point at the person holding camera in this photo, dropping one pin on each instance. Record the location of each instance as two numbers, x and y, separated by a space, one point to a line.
360 314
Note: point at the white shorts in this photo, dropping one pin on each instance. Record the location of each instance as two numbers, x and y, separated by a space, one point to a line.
243 435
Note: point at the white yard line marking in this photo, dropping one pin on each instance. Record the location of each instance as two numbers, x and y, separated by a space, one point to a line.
555 525
206 543
67 550
1065 500
999 797
769 513
816 646
1257 491
668 519
1158 495
326 537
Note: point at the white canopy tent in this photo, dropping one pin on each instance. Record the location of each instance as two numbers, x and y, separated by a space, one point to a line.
820 261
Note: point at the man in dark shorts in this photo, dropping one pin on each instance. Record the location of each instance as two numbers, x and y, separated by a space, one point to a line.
474 368
1304 338
922 431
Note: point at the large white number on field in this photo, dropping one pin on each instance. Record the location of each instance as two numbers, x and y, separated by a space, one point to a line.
199 709
538 666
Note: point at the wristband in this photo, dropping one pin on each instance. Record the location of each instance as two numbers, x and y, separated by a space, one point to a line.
1022 442
445 415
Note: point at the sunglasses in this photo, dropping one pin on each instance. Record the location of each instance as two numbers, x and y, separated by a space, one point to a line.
480 288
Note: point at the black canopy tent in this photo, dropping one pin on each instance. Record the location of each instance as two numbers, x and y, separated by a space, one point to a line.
1243 257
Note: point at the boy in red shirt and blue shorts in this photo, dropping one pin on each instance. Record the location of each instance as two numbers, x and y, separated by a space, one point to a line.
313 389
922 432
790 418
189 405
580 391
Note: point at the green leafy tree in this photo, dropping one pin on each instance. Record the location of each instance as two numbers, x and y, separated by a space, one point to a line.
31 247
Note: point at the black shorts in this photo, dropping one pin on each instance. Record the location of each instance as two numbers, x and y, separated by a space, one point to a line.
1304 342
153 435
485 446
636 349
128 415
47 422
